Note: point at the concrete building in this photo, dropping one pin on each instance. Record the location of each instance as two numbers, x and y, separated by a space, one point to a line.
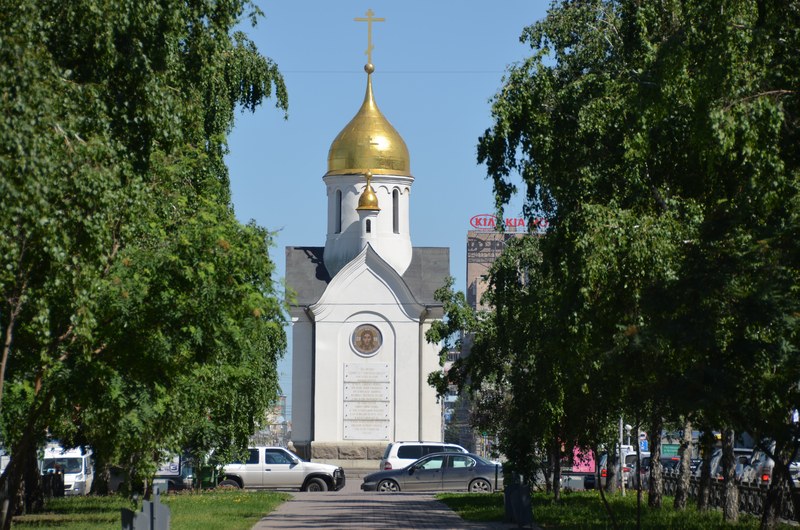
483 248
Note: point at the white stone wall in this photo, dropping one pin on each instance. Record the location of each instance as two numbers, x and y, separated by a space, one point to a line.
342 247
369 292
302 376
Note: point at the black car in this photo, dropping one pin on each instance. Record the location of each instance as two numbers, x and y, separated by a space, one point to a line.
439 472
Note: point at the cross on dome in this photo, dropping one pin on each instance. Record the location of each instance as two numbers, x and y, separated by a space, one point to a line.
369 20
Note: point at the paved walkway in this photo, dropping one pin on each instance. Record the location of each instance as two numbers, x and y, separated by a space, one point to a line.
351 510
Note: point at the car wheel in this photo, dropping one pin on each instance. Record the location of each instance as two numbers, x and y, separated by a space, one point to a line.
229 483
316 484
389 486
480 486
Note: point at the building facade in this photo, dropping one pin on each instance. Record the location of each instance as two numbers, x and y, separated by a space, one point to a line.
362 303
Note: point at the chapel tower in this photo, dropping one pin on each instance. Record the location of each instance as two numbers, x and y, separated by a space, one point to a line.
362 304
368 145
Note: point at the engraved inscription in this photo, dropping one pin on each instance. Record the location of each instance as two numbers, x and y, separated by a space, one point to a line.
366 410
366 392
366 372
366 430
367 401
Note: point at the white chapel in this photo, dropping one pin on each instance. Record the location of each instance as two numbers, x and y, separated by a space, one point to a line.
360 305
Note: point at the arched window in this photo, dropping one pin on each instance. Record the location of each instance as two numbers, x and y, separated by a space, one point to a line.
338 212
396 211
369 226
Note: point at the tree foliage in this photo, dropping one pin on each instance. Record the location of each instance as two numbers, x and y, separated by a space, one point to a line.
137 313
660 139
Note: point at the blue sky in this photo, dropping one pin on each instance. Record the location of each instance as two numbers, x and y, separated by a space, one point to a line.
437 65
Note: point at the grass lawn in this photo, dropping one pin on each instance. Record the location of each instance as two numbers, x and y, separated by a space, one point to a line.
210 510
584 509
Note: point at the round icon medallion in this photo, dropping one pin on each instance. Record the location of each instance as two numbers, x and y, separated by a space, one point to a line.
367 339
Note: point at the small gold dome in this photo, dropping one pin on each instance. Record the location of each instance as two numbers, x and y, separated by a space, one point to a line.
369 142
368 199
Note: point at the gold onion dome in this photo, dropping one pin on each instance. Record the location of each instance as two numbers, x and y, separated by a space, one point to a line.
369 142
368 199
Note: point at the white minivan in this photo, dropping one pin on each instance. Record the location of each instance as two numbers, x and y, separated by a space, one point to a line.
400 454
75 464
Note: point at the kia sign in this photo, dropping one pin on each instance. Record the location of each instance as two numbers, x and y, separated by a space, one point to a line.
487 221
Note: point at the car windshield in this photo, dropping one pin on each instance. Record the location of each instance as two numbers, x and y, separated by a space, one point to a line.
62 465
295 455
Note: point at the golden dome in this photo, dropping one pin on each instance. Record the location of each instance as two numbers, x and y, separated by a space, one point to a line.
368 199
369 142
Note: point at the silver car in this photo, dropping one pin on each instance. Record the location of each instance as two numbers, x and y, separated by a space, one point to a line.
440 472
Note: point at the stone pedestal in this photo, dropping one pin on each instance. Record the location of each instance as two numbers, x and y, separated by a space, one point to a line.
361 455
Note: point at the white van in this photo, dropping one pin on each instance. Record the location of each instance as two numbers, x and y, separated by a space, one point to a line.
75 464
400 454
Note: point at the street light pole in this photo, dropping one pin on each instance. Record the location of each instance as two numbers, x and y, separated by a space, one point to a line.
621 459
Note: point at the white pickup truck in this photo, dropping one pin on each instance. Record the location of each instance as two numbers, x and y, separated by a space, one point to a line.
276 467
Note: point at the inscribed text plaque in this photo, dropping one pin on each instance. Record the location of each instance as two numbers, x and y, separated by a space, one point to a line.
366 392
366 410
366 373
366 430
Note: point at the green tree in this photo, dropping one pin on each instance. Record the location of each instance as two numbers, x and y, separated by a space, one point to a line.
660 138
134 304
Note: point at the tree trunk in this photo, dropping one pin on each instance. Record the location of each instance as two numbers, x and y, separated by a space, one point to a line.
704 492
102 476
607 506
730 503
685 454
10 486
556 459
12 481
9 335
656 487
34 496
612 460
776 494
548 475
638 477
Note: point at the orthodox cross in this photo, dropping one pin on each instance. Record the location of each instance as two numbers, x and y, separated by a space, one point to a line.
369 20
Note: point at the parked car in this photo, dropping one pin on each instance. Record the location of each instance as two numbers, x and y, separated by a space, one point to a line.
400 454
643 476
174 474
590 481
742 459
760 467
276 467
439 472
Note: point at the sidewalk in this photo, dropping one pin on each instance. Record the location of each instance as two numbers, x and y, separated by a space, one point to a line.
367 511
350 508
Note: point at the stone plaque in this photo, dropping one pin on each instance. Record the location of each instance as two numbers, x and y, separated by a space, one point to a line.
366 372
367 400
366 410
366 430
366 392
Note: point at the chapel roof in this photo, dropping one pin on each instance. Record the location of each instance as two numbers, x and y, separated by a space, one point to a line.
308 278
369 142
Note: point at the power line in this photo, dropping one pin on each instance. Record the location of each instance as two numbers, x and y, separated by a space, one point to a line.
401 72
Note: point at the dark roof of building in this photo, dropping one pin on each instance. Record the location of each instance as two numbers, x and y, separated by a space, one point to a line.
307 277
